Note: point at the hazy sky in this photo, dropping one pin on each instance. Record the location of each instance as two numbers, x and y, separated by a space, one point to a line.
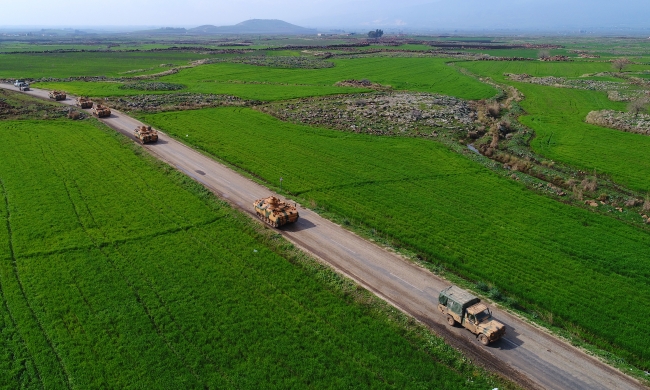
463 14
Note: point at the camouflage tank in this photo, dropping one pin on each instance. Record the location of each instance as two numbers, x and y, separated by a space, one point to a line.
275 212
101 111
146 134
57 95
84 102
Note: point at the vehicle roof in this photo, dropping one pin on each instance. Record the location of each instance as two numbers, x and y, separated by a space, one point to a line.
477 308
459 295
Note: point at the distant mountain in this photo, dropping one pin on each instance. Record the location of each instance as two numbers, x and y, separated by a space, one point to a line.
254 26
163 30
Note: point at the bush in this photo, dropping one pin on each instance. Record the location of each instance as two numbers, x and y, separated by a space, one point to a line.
494 109
495 294
482 286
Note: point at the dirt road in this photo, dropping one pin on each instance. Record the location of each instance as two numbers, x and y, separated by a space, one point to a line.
526 354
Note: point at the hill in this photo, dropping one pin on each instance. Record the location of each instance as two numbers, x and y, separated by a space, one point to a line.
255 26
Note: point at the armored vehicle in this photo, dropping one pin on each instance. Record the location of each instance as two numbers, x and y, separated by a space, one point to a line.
146 134
84 102
101 111
275 212
57 95
464 308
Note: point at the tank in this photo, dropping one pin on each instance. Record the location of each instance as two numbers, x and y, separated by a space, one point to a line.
101 111
57 95
84 102
146 134
275 212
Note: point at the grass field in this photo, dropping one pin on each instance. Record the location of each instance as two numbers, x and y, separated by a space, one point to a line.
564 260
89 64
496 69
118 272
557 115
266 83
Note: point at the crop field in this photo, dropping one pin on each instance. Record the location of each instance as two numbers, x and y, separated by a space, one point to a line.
415 74
266 83
119 272
496 69
558 117
453 212
89 64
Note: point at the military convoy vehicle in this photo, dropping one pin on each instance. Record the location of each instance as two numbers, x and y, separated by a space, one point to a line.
101 111
464 308
22 85
57 95
146 134
84 102
275 212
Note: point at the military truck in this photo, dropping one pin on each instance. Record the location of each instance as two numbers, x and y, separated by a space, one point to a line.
275 212
146 134
101 111
84 102
464 308
57 95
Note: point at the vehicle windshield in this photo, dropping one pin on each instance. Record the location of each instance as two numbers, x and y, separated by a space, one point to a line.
483 316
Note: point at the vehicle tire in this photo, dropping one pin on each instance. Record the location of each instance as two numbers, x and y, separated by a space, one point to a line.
450 320
483 339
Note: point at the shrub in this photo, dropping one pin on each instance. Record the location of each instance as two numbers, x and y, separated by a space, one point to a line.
482 286
494 109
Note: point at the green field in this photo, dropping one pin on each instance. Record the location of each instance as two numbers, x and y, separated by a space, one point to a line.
266 83
571 69
118 272
89 64
557 115
562 259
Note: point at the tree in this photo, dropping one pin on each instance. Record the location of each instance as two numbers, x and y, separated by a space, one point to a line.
375 34
620 63
638 106
544 53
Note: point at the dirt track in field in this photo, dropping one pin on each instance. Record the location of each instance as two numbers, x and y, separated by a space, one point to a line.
527 355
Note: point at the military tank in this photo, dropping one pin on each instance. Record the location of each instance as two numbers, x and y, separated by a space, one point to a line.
84 102
57 95
146 134
275 212
101 111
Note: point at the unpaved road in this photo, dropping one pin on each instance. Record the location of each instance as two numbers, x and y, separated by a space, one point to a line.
526 354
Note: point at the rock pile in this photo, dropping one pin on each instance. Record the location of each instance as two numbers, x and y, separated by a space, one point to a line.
276 61
639 123
398 113
175 102
556 58
592 85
